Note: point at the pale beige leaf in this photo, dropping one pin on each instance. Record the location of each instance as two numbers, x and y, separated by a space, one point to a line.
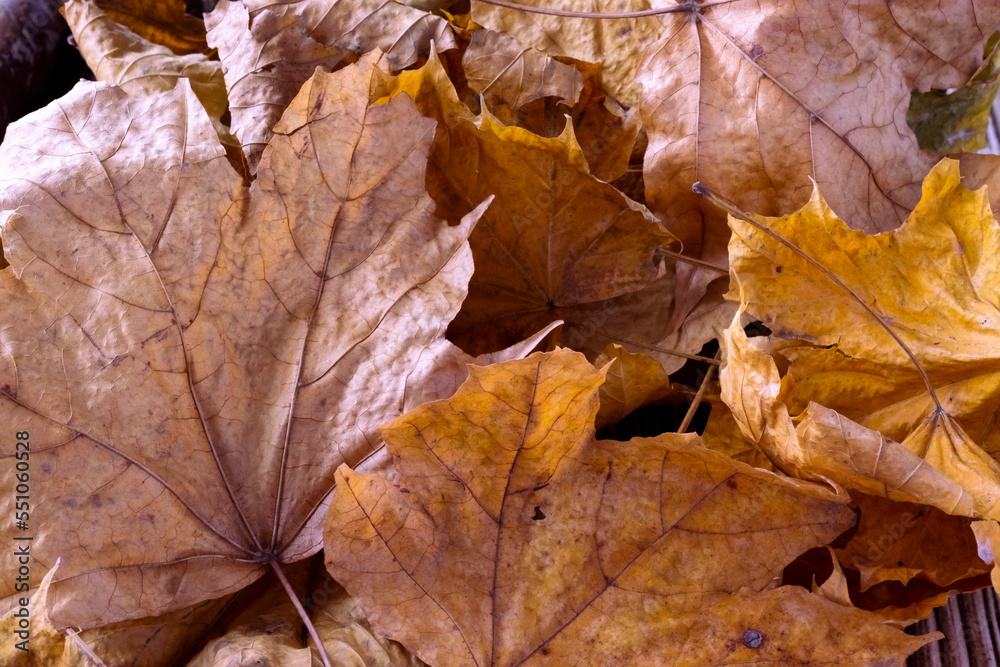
617 44
117 55
269 49
754 99
506 73
189 354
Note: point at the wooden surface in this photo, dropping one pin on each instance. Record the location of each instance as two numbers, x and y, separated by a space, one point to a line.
971 625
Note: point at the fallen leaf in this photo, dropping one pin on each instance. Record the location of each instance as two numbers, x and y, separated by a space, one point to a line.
269 49
262 626
349 638
146 642
607 132
117 55
183 442
813 67
631 381
954 121
164 22
615 43
934 285
898 541
722 433
30 639
515 538
708 68
557 244
835 587
506 73
988 538
936 465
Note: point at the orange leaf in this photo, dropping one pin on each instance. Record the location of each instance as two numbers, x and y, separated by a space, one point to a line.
517 538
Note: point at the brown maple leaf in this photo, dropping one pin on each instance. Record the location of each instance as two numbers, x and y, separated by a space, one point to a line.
755 98
631 381
504 72
898 541
269 49
193 358
516 538
558 243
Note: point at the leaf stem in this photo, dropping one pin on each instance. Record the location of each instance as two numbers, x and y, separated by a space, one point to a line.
686 7
689 415
691 260
276 566
735 211
84 648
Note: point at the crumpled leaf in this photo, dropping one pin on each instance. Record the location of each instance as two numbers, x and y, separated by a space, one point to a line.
935 281
164 22
147 281
506 73
117 55
814 68
722 433
349 638
146 642
44 645
264 629
557 244
898 541
936 465
956 121
267 630
514 537
630 382
615 43
834 588
268 50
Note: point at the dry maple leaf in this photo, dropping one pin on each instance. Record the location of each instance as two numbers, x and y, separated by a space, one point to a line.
901 312
631 381
269 49
754 98
558 243
267 630
164 22
193 358
504 72
117 55
820 443
617 44
898 541
145 642
517 538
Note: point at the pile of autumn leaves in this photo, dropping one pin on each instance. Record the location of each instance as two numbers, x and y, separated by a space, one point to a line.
243 298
